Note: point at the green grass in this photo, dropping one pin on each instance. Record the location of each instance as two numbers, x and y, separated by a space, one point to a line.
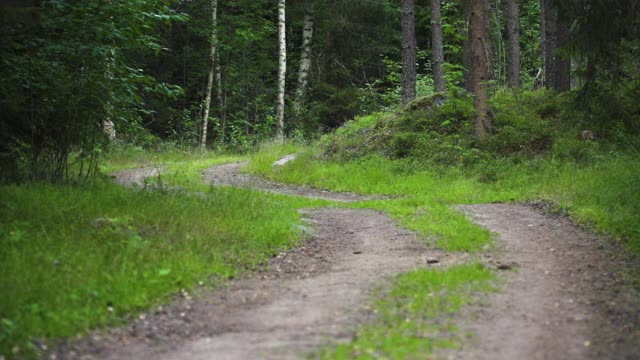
415 316
122 156
602 193
420 201
76 257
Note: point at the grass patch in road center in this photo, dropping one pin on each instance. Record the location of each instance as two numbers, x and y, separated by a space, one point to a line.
73 258
414 317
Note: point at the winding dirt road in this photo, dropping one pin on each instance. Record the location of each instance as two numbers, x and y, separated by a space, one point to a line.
307 298
563 294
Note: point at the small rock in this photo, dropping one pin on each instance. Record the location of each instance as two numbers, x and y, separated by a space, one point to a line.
587 343
357 252
284 160
432 260
503 267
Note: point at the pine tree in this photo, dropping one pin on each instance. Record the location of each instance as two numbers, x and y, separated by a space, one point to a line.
408 51
437 47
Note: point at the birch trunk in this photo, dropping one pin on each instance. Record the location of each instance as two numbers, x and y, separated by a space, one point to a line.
408 51
220 103
513 31
282 71
305 60
212 67
479 65
437 47
108 126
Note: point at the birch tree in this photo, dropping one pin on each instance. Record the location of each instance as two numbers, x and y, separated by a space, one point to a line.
408 51
108 126
282 71
479 65
305 57
437 47
212 68
221 104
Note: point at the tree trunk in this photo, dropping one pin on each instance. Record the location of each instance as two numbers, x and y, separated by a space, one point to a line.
219 97
437 47
479 65
282 71
408 51
305 59
513 31
212 67
467 63
467 45
108 126
555 33
563 71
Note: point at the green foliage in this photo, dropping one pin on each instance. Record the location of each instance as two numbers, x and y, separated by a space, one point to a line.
414 317
74 258
66 68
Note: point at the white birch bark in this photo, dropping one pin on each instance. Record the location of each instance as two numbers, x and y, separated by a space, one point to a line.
282 71
108 126
219 97
212 61
305 60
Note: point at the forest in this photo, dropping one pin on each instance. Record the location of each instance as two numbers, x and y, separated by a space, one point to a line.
157 156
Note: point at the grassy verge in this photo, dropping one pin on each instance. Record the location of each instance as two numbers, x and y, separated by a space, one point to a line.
413 317
420 201
128 156
602 193
76 257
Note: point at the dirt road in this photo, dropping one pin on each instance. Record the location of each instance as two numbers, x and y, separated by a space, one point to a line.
310 297
564 297
563 291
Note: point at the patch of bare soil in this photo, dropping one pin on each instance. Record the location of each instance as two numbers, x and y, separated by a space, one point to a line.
230 175
307 298
567 295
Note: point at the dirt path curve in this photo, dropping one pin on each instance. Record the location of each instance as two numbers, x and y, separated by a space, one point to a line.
309 297
313 296
230 175
564 299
